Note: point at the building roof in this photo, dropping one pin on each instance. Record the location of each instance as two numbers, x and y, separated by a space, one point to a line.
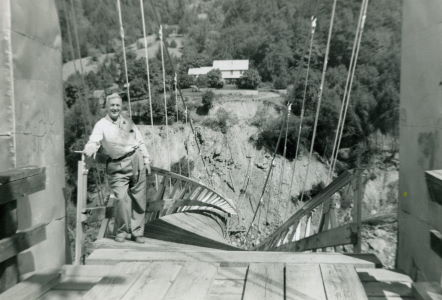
231 65
199 71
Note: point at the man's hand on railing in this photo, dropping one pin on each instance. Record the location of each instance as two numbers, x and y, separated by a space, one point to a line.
90 151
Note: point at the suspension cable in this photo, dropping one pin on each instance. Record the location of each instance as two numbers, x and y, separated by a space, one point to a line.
268 175
120 20
165 97
298 140
182 98
146 55
321 88
363 16
84 104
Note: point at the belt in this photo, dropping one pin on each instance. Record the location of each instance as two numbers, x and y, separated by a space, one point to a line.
124 156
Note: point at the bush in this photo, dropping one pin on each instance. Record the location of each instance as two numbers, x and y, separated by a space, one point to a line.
202 81
172 44
280 82
221 121
249 80
207 99
207 103
215 79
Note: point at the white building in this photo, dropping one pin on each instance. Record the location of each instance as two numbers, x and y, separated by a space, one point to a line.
230 69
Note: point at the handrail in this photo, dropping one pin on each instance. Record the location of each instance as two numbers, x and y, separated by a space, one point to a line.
164 172
285 233
175 193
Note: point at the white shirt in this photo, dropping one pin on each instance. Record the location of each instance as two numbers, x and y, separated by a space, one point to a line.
117 138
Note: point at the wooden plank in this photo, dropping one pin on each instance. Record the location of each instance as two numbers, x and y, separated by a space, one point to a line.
304 282
85 270
367 275
21 241
389 289
264 281
342 235
112 256
77 283
154 282
19 173
231 273
227 287
391 298
342 282
33 287
224 297
193 281
16 189
427 291
63 294
117 282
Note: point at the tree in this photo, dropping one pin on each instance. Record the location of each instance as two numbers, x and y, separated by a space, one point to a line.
215 79
202 81
249 80
185 81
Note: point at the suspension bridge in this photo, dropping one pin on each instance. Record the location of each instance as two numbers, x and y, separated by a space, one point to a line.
187 254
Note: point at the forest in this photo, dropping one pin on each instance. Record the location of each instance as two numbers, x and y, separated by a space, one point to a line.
273 35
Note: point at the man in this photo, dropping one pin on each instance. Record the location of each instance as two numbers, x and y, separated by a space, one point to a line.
126 168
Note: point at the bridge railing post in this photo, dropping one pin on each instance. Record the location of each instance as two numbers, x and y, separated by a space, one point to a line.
357 211
81 206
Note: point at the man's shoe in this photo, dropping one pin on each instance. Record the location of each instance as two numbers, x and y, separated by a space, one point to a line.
138 239
122 236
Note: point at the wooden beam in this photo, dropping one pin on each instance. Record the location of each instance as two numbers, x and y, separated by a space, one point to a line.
21 182
325 194
19 173
342 235
163 172
113 256
21 241
33 287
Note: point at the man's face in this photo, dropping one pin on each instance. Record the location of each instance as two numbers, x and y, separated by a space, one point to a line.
114 108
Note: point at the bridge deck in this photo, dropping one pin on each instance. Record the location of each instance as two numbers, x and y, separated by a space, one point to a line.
186 257
167 270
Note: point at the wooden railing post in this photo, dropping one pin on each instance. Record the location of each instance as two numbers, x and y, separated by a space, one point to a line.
81 205
357 213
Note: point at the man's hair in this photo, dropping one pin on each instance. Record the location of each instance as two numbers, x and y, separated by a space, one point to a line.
113 96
